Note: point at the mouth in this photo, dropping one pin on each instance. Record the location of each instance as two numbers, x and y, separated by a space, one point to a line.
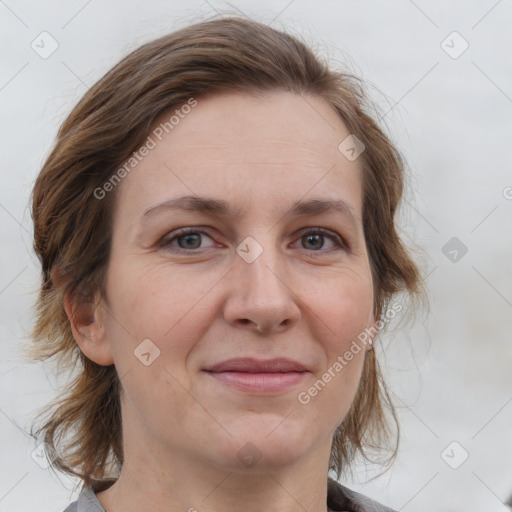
259 376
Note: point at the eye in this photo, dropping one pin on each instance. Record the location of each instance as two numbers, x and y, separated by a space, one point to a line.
187 239
315 239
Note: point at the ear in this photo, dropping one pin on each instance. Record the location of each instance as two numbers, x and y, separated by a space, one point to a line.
88 319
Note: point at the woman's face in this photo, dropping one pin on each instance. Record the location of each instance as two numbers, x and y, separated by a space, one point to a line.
180 304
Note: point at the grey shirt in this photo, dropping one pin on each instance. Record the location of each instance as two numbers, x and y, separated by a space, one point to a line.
339 499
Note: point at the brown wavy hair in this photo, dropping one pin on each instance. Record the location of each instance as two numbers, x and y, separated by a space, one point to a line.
73 228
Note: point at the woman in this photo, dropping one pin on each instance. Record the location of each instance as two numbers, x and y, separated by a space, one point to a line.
216 230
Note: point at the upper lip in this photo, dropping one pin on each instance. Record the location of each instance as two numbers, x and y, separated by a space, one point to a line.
251 365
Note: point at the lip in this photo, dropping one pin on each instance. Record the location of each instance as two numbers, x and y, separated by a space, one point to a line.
251 365
259 376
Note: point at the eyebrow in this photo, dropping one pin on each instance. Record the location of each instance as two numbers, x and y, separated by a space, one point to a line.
221 208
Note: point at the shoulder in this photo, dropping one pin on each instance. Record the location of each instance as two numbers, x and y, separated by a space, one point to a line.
86 502
341 498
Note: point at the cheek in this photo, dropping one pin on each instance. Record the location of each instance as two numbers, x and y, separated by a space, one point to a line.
155 300
342 312
334 387
172 310
344 306
156 320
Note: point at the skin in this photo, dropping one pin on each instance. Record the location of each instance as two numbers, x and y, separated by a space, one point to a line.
310 298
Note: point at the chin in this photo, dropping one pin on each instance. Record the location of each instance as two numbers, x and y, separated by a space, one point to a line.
263 445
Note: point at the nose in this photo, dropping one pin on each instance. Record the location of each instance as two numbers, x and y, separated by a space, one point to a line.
261 296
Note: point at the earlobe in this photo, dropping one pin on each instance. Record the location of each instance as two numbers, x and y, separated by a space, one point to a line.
87 318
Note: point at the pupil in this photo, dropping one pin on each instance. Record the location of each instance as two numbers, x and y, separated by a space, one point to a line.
189 238
309 237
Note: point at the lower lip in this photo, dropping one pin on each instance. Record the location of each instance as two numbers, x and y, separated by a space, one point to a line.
259 382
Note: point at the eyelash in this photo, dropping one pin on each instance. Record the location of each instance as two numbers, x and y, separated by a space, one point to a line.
338 240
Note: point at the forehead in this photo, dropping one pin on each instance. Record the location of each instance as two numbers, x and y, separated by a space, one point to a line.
270 149
276 122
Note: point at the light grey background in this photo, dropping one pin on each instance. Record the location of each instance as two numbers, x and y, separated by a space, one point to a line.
451 117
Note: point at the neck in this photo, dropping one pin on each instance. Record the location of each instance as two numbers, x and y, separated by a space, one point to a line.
184 484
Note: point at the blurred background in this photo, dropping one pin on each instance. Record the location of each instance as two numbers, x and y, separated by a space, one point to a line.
440 75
